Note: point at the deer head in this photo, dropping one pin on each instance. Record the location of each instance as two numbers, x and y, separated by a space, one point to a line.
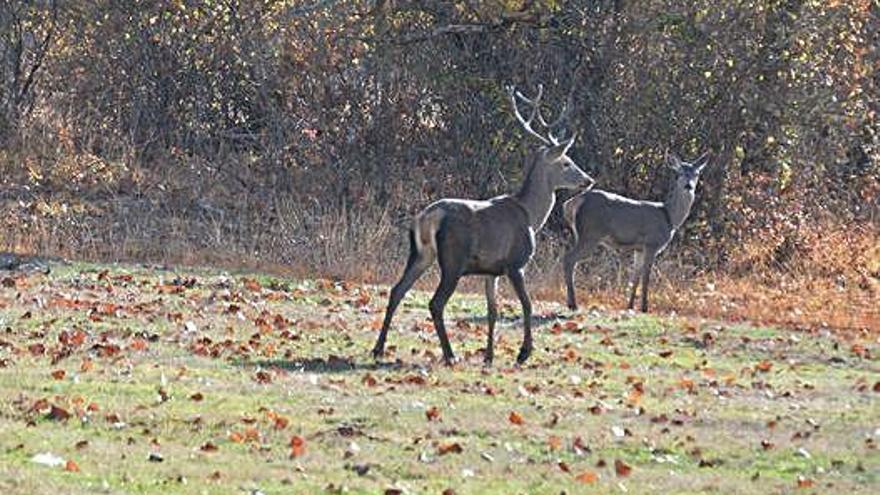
687 174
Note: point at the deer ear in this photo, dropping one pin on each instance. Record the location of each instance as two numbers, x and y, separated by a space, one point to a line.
701 162
673 162
559 150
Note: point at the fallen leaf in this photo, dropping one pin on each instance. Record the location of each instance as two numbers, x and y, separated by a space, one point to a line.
58 414
263 377
370 380
804 482
71 467
587 477
297 446
554 442
516 418
621 468
208 447
449 448
58 374
764 366
433 413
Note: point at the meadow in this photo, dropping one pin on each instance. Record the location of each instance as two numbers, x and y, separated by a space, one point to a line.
150 379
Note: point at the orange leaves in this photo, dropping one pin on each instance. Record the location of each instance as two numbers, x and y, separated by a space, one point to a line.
622 469
587 477
803 482
764 366
554 443
297 446
369 380
58 374
516 418
138 345
449 448
252 285
75 338
71 466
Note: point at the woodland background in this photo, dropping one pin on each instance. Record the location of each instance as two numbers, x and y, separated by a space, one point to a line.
298 136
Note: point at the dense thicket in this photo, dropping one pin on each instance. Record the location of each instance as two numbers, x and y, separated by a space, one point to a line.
270 122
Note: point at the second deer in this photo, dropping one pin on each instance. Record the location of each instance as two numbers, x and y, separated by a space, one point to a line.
645 227
493 238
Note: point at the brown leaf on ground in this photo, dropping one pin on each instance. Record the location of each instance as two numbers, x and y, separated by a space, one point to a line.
516 418
622 469
449 448
297 446
58 414
433 413
587 477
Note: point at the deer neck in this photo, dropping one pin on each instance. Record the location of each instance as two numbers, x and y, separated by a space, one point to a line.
678 205
537 197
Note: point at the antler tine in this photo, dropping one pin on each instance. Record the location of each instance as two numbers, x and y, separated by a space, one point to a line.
527 123
536 112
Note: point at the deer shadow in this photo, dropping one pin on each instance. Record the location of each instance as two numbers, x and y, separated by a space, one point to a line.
537 320
330 365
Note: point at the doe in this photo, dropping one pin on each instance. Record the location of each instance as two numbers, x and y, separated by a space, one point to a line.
602 218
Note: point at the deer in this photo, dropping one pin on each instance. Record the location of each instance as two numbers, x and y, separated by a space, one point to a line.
490 238
599 217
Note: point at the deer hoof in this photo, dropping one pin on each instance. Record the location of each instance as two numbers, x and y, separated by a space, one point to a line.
450 360
572 306
524 354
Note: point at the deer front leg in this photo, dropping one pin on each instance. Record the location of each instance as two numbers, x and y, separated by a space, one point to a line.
491 316
519 285
646 276
638 266
569 263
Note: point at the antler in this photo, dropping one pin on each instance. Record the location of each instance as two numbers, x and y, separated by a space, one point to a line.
534 103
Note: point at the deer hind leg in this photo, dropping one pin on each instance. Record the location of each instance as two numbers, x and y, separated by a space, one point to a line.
517 279
491 317
646 277
416 265
569 263
637 269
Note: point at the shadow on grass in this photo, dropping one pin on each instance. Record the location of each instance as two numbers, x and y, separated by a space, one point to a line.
537 320
330 364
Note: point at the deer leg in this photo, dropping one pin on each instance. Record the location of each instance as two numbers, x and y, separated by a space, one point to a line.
638 263
646 276
415 267
569 263
491 316
519 285
448 282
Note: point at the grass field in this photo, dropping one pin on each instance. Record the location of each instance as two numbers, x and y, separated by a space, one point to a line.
147 380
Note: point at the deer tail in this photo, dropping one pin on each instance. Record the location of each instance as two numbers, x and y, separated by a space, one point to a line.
423 234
